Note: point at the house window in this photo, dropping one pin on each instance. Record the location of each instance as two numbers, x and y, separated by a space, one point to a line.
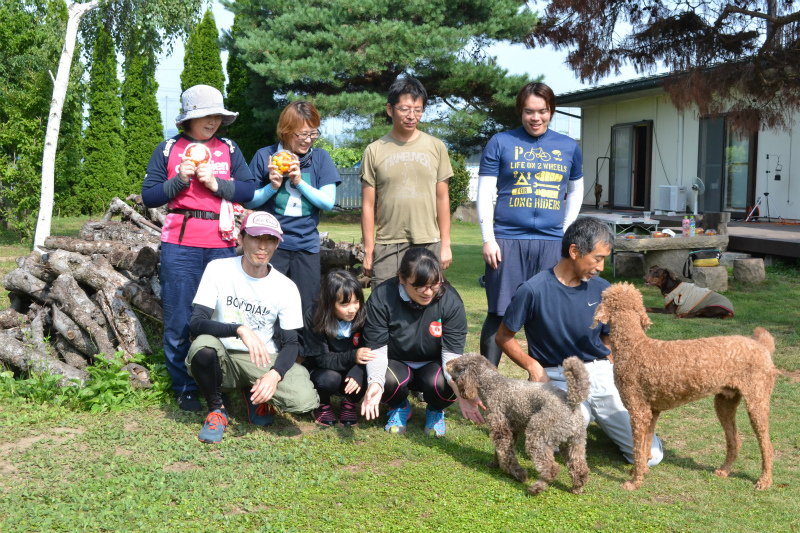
726 164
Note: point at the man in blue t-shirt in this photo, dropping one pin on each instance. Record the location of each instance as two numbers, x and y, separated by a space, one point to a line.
537 176
556 307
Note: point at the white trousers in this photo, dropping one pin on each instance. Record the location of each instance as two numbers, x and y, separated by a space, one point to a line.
605 407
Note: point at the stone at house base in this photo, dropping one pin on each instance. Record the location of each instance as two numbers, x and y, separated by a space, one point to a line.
771 260
726 259
629 264
467 212
749 270
714 278
716 221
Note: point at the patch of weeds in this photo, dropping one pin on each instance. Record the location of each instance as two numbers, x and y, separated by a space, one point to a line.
109 388
785 267
36 388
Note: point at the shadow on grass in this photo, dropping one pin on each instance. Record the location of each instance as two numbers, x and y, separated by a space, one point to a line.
472 458
284 424
603 457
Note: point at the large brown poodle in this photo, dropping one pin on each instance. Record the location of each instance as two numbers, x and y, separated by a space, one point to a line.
654 376
548 417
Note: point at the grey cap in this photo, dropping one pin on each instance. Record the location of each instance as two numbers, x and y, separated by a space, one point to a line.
201 101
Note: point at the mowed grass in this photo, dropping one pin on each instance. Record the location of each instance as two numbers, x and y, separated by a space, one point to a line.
144 470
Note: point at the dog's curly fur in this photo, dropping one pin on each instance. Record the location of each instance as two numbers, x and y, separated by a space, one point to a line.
547 416
654 376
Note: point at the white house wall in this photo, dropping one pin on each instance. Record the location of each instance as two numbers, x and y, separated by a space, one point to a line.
597 121
785 194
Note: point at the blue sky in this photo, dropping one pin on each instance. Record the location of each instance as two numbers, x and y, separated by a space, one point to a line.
516 59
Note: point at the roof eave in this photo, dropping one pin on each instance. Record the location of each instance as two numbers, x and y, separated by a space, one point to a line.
651 85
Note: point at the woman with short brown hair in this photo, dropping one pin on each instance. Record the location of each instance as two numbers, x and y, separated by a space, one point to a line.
295 191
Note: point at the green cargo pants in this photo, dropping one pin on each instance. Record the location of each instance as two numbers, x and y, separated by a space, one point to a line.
294 394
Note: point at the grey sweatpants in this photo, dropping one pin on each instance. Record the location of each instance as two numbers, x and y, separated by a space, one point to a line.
605 407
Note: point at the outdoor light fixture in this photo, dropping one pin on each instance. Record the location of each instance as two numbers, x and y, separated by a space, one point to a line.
778 168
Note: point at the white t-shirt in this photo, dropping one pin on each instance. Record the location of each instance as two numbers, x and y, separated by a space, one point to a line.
237 298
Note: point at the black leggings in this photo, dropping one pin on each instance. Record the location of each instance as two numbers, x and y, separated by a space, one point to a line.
401 378
489 348
208 375
329 382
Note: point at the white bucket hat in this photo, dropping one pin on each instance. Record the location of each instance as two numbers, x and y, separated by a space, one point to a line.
201 101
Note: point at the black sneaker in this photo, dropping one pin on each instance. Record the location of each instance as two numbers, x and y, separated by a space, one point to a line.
188 401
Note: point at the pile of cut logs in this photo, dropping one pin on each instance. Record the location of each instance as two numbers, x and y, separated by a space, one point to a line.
79 299
342 255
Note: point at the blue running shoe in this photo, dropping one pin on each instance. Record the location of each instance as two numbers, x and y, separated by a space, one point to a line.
398 418
214 427
261 414
434 422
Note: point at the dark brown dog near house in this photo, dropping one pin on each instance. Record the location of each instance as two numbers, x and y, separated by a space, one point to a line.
713 306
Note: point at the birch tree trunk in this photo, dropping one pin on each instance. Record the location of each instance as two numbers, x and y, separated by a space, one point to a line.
75 13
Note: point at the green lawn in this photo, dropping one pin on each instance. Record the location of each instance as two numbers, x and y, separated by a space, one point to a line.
142 468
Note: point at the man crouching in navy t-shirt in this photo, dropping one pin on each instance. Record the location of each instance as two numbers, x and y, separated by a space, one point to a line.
557 307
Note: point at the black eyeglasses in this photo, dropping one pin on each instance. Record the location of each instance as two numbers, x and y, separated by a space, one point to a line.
310 135
405 110
434 288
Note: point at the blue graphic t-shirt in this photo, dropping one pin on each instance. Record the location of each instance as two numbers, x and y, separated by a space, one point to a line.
532 175
297 215
558 319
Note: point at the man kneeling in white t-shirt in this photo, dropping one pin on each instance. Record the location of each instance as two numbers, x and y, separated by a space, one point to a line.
236 308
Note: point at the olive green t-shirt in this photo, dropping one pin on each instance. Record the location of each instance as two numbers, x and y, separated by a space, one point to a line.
404 175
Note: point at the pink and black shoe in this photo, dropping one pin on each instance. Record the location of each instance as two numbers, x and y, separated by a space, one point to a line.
348 414
323 415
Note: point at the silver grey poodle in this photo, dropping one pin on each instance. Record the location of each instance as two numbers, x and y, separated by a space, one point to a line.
548 417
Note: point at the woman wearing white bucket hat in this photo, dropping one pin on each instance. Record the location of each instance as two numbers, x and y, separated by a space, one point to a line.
200 176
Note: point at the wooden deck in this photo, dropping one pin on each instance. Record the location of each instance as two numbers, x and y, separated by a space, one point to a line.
762 238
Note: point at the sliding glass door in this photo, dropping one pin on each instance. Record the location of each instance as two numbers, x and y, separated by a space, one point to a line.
726 165
630 165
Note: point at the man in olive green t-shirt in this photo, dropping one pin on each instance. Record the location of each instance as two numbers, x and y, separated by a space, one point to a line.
406 173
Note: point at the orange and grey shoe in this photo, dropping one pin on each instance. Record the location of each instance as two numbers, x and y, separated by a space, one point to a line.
214 427
261 414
